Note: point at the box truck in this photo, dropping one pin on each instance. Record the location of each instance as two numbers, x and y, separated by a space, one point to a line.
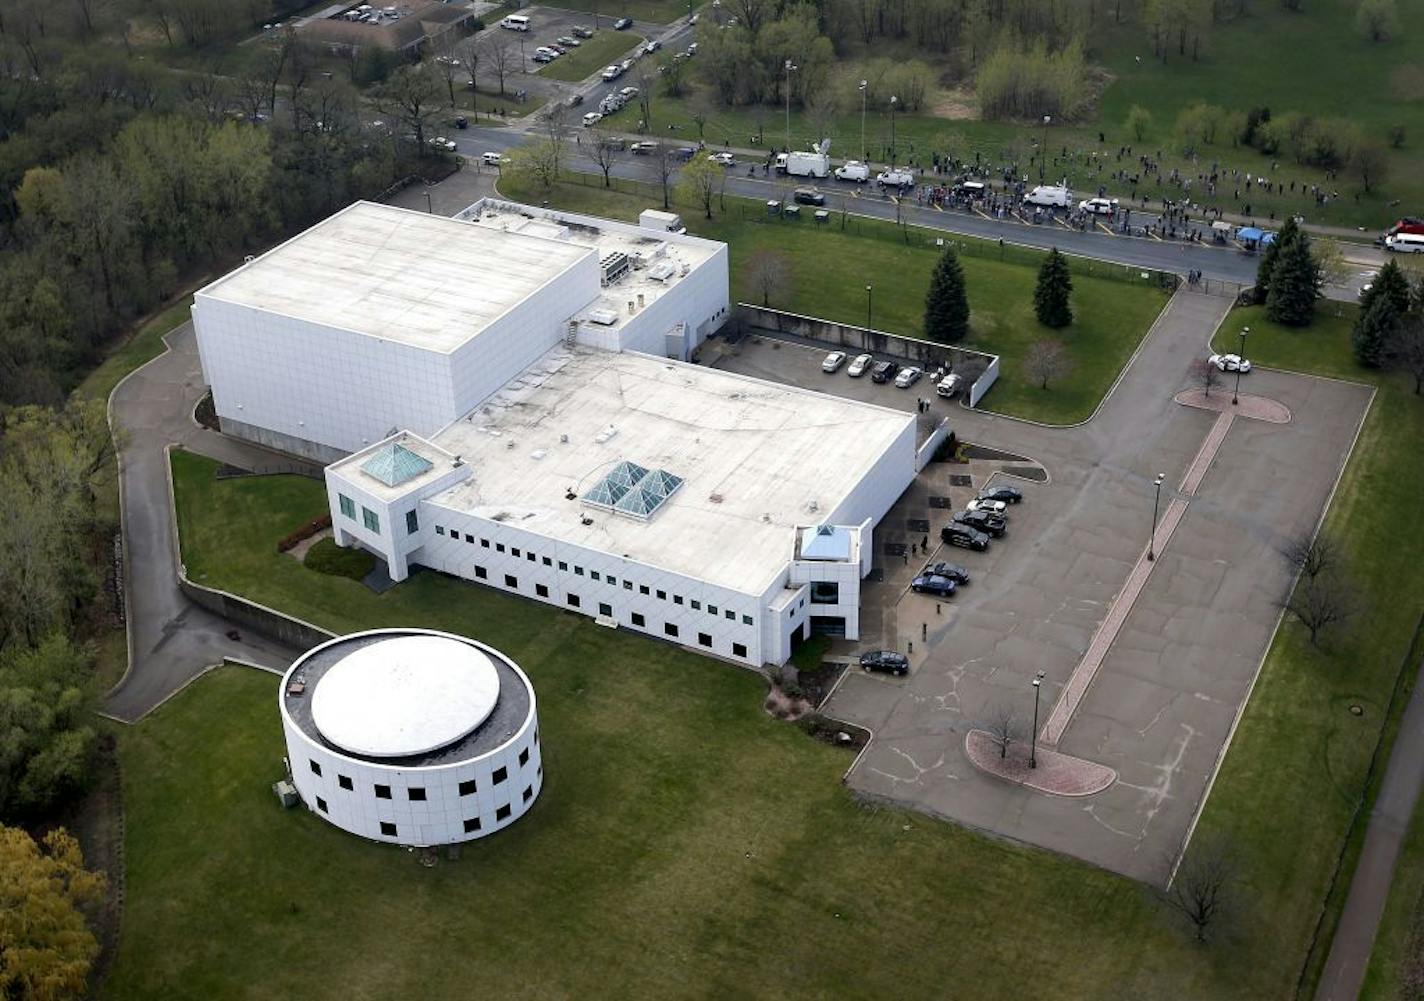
668 222
813 164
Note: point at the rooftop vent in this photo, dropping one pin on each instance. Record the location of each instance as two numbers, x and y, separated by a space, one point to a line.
614 266
603 317
608 432
662 271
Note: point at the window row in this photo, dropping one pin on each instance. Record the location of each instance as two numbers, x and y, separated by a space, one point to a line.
416 794
369 518
471 824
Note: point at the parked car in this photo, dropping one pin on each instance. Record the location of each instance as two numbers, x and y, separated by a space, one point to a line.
957 534
542 57
808 196
652 47
574 100
883 371
684 153
859 365
971 189
885 661
548 50
568 42
1002 492
953 571
628 93
441 143
1098 206
643 148
612 71
982 521
933 584
557 48
1230 363
626 65
582 32
909 375
833 362
492 159
982 503
591 118
692 49
853 170
622 24
724 159
949 385
460 122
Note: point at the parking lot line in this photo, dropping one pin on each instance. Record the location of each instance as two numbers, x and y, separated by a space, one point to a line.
1105 229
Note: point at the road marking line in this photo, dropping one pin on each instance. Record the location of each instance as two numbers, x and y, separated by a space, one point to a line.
1155 236
895 200
935 206
1105 229
981 212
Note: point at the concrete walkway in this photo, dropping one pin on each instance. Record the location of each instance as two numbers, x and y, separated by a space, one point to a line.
1369 887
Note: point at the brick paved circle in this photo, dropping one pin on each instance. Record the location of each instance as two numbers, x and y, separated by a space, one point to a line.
1257 408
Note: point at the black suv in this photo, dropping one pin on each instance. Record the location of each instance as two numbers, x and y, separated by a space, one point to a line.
808 196
883 371
1004 492
983 521
956 534
886 661
953 571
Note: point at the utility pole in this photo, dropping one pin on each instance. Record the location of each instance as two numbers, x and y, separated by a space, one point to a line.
864 86
1156 500
1033 734
790 66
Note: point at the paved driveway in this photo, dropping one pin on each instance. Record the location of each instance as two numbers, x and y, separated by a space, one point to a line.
1165 699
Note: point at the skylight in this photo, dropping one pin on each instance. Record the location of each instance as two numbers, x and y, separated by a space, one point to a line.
393 464
633 490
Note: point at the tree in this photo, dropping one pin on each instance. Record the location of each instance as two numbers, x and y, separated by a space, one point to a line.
1295 280
607 151
1205 884
664 164
947 303
1310 555
1267 266
469 50
536 161
768 271
1407 351
1002 725
1206 375
1391 283
1320 602
1377 20
1139 120
1376 328
1330 261
411 96
699 182
448 67
1369 161
45 701
500 53
44 894
1051 297
1047 361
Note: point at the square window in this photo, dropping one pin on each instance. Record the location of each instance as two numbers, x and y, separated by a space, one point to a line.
480 573
548 562
541 590
605 609
524 757
468 788
344 781
612 580
321 804
696 605
502 813
412 523
638 619
594 574
316 768
731 614
662 596
370 520
669 628
711 609
383 792
469 538
514 551
439 529
578 571
539 770
563 566
472 825
677 599
499 775
705 639
347 505
499 547
510 580
746 620
642 589
484 543
627 584
416 794
388 829
739 650
528 793
529 555
573 601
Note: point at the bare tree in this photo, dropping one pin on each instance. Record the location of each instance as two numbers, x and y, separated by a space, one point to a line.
249 94
556 124
699 181
1047 361
1205 375
1310 555
1205 884
699 114
608 149
538 161
448 67
665 164
1321 602
769 271
1002 724
208 92
646 79
500 53
410 96
822 107
469 51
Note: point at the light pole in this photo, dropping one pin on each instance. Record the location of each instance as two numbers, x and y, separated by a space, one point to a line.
894 101
1043 146
868 290
1236 393
1033 734
790 66
523 66
1157 498
428 209
864 86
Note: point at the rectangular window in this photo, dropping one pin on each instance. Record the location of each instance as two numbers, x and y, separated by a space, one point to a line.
388 829
499 775
528 793
524 757
502 813
739 650
347 505
480 573
316 768
416 794
472 825
696 605
468 788
344 781
573 600
669 628
825 592
321 804
531 557
563 566
605 609
510 580
662 596
383 792
637 619
594 574
731 614
469 538
541 590
705 639
578 571
612 581
439 529
514 551
369 519
711 609
499 547
627 584
484 543
677 599
412 523
548 562
746 620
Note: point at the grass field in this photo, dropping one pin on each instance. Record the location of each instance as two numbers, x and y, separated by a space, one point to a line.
830 268
589 58
1400 923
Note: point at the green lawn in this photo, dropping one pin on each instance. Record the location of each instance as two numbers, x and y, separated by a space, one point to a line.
1396 942
137 347
590 57
830 268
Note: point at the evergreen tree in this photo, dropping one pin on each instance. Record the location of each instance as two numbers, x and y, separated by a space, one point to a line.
1376 331
946 304
1055 286
1391 282
1295 280
1268 260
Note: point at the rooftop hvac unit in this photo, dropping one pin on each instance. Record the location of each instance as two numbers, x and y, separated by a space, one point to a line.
604 435
614 267
603 317
662 271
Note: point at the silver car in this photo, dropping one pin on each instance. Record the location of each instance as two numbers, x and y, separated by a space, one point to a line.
859 366
833 362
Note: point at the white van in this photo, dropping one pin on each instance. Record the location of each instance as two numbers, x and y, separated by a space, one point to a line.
853 170
1055 196
1405 243
515 22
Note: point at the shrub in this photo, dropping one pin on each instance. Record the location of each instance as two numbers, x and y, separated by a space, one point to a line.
304 532
325 556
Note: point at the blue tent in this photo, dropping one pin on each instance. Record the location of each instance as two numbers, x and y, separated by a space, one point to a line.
1249 234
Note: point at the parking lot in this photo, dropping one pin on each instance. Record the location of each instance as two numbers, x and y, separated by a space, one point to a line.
1165 699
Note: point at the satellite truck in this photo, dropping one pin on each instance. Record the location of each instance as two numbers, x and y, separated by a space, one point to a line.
1050 196
816 163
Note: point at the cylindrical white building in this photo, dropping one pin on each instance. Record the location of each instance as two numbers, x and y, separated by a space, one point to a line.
412 736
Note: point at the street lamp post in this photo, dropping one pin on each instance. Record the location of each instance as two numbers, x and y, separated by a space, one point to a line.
523 66
428 209
894 101
1236 393
1033 734
790 66
1157 498
864 86
1043 146
868 290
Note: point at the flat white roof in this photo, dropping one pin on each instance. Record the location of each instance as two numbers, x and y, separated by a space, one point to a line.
404 696
757 459
420 279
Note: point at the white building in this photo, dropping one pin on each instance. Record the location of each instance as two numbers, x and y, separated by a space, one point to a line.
549 438
412 736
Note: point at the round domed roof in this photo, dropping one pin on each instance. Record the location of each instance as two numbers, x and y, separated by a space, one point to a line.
405 695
